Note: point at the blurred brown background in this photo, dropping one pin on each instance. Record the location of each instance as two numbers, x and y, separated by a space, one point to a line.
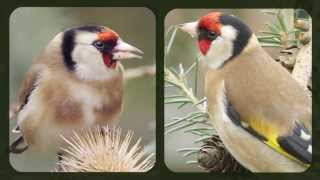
31 29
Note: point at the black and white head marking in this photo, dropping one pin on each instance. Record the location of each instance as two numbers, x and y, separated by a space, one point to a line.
233 38
68 43
243 33
220 37
92 52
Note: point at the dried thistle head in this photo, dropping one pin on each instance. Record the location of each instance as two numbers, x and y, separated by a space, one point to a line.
101 149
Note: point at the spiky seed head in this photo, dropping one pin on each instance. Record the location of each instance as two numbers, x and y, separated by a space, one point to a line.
101 149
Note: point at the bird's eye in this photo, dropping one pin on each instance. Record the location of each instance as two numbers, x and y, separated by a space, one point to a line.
207 34
212 35
98 44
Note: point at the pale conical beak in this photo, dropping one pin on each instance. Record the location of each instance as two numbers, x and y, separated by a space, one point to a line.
124 50
190 28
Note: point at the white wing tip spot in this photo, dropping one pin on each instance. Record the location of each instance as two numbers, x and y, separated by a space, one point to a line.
244 124
16 130
310 149
305 136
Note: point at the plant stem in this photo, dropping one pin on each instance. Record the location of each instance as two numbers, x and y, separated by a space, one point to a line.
179 82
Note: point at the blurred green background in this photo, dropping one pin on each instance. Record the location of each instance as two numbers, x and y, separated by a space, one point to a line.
31 29
184 50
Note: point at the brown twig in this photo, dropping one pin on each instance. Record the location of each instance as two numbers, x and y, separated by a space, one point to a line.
149 70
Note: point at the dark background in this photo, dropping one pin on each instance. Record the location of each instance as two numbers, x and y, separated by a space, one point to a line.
160 8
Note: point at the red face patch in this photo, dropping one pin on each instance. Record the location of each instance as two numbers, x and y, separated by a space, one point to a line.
210 22
204 45
107 36
109 62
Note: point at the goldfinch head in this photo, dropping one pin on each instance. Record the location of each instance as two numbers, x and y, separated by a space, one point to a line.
220 37
93 52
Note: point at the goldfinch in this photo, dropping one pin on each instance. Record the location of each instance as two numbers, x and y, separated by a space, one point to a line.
76 82
260 112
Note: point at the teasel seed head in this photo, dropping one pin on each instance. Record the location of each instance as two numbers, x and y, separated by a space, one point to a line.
101 149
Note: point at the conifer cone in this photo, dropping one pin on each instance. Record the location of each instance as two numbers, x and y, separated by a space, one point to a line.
214 157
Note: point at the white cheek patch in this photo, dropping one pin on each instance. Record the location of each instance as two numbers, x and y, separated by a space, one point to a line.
221 49
228 32
89 63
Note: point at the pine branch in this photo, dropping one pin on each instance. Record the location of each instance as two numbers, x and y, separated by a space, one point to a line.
179 81
293 37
